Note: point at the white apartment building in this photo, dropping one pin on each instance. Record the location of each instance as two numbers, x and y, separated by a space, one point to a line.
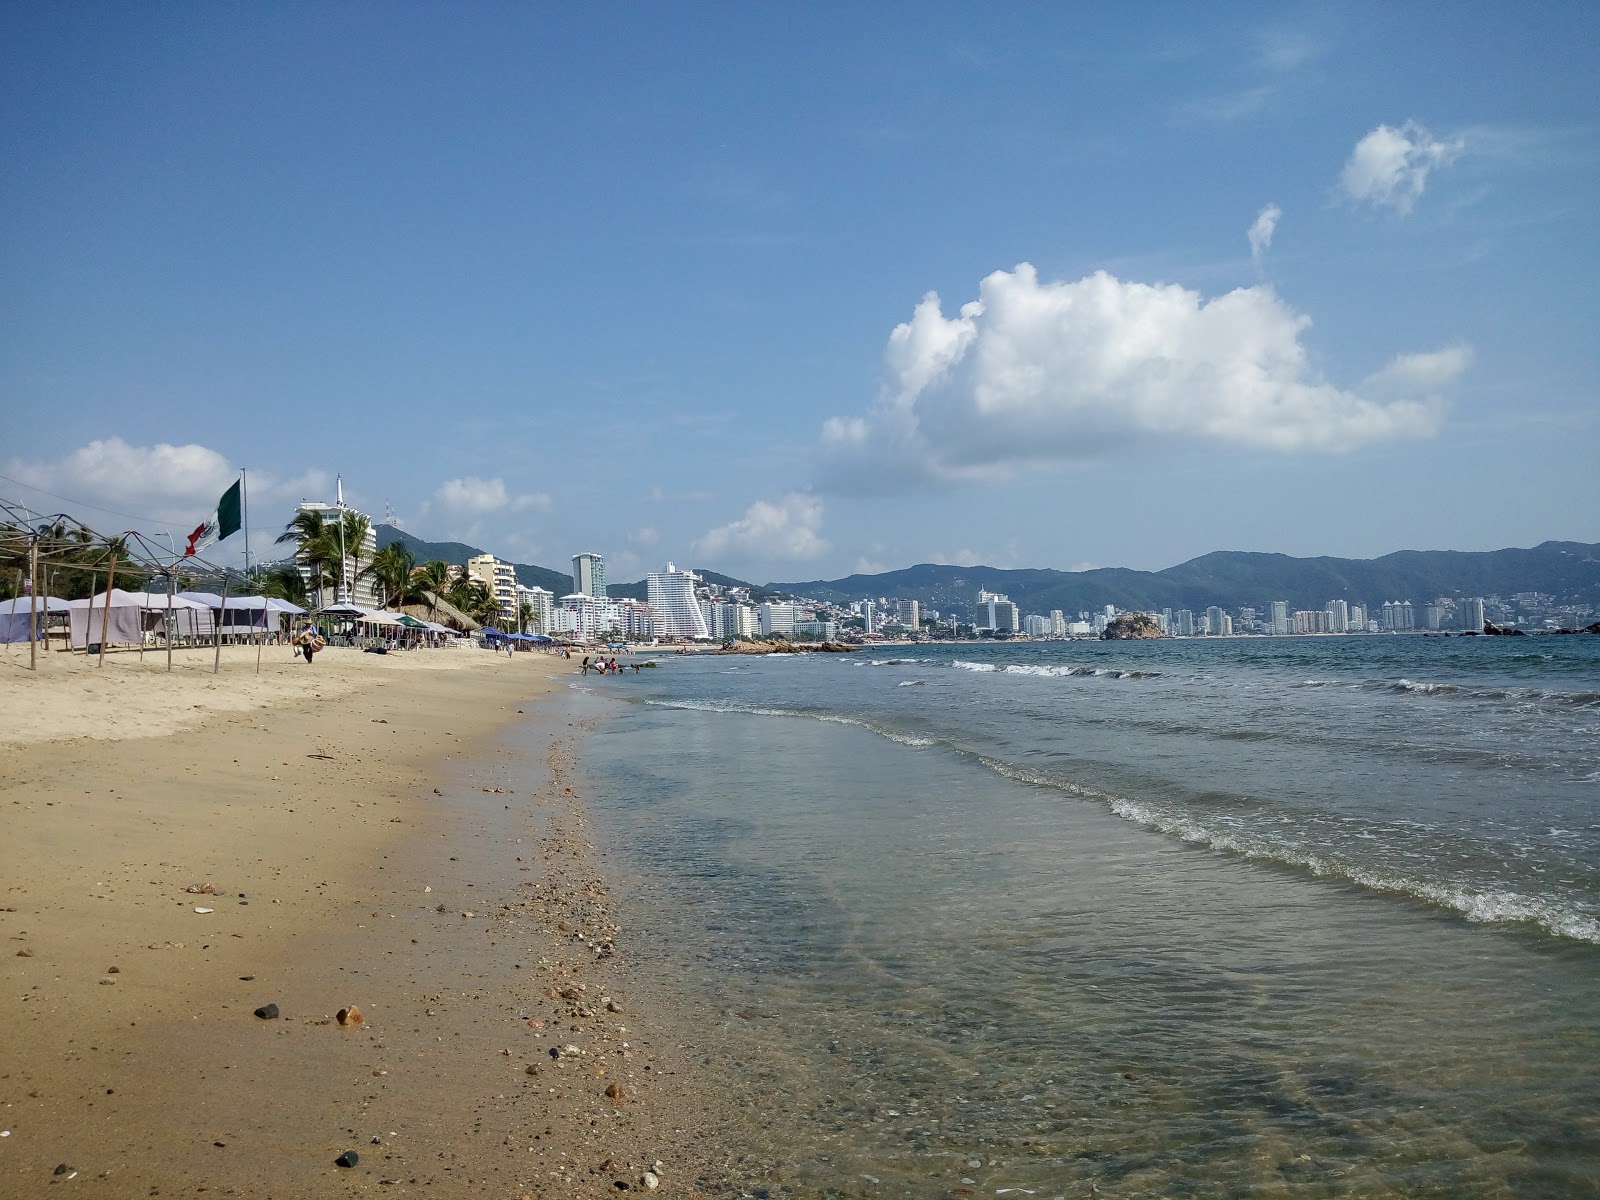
671 594
908 613
542 602
362 592
581 615
500 577
1036 626
780 618
997 613
728 620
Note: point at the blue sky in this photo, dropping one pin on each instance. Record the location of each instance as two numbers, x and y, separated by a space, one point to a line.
794 291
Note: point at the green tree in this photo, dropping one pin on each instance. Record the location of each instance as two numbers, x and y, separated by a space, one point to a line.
433 578
392 567
356 527
316 542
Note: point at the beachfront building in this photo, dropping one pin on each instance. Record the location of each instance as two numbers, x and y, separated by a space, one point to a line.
589 574
671 594
780 618
1280 617
1470 613
1035 625
542 602
1338 616
582 616
816 631
500 577
908 613
363 591
997 614
728 620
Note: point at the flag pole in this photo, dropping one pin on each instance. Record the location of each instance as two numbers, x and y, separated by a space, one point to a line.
244 498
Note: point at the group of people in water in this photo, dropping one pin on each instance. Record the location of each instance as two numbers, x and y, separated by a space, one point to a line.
605 666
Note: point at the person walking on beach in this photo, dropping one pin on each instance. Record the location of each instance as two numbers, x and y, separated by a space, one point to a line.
308 641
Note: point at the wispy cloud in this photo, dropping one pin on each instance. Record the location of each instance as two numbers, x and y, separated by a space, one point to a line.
788 528
1261 231
1389 167
471 494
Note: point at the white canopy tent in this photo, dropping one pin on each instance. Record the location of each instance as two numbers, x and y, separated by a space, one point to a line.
15 615
124 624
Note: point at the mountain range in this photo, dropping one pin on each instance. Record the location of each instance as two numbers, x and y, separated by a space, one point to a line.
1567 571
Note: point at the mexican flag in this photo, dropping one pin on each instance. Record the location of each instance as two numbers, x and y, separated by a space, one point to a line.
220 524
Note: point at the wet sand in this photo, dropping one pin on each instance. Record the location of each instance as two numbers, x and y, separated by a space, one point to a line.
369 839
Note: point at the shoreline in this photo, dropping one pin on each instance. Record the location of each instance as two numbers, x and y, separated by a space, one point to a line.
347 832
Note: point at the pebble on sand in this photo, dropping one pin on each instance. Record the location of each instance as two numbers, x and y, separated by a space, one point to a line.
350 1016
267 1012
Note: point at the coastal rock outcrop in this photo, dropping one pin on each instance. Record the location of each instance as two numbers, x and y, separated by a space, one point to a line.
785 647
1125 626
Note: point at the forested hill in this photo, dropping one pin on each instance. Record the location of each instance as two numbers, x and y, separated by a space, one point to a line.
1232 579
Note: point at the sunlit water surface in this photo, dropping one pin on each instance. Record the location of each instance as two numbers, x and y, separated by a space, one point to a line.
1312 917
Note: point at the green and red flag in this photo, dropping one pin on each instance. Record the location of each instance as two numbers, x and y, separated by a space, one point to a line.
220 524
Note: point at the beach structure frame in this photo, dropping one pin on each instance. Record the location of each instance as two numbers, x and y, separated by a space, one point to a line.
42 540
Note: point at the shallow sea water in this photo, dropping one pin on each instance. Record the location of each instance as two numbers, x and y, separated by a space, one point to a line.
939 945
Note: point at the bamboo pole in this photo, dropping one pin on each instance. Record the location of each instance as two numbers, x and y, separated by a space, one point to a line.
105 616
171 626
216 633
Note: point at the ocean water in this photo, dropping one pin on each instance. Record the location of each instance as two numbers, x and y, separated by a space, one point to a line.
1297 917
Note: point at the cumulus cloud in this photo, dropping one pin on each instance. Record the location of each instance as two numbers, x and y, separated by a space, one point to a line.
1036 372
473 495
1389 167
1261 231
112 478
783 529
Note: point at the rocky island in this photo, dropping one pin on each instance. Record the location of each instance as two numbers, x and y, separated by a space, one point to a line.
1126 626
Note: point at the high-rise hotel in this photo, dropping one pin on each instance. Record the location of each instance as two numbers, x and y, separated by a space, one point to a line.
589 574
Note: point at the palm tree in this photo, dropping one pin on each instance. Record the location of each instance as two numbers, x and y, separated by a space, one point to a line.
316 542
524 615
282 583
433 577
356 527
392 567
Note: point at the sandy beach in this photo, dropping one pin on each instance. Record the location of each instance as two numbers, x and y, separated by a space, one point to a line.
182 850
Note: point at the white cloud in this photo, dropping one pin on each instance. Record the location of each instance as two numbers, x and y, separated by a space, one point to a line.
1411 374
115 481
1053 372
1390 167
645 535
783 529
1261 231
473 495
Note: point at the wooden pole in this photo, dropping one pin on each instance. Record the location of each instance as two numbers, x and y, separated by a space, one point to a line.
105 616
217 632
33 605
172 623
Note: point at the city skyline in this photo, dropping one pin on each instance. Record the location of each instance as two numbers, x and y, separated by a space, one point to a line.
806 294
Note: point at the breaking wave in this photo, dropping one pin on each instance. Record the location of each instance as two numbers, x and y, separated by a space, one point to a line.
1481 904
1054 672
756 710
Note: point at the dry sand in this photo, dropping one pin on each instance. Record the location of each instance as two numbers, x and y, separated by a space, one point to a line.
369 839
